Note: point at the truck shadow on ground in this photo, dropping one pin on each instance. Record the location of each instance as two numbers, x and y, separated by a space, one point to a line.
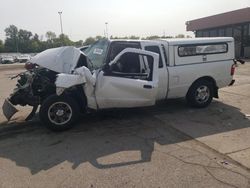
100 136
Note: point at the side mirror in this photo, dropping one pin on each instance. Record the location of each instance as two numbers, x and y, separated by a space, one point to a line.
112 67
106 69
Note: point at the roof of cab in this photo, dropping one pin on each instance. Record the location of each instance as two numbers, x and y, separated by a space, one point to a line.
182 41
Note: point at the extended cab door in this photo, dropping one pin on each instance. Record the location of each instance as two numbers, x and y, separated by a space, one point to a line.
163 69
128 81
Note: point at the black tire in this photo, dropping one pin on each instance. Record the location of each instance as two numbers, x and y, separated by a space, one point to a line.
200 94
59 113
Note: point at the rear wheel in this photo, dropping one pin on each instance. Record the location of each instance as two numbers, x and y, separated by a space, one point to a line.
59 113
200 94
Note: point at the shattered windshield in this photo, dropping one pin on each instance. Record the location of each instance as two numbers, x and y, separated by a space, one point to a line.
97 53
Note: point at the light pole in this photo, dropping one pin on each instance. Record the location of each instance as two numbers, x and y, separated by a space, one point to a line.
60 14
107 35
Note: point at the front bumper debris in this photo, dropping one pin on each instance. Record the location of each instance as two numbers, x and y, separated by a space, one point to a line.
8 109
232 83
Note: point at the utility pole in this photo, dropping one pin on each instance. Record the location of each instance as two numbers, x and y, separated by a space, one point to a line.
107 35
60 15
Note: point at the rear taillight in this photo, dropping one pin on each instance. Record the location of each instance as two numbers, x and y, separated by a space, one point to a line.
233 69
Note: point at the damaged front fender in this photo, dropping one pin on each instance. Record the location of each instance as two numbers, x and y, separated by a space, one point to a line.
65 81
81 76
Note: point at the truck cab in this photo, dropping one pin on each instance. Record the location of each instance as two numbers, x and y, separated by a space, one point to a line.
181 63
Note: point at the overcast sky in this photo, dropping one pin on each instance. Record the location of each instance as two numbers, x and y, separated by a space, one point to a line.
84 18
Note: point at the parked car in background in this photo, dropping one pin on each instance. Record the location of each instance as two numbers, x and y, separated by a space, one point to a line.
122 74
23 58
7 60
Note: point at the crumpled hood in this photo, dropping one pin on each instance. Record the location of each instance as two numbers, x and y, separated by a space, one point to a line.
61 60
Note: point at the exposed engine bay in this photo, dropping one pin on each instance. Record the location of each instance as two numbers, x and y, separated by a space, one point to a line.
33 86
39 81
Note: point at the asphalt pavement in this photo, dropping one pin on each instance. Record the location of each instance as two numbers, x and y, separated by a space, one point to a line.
168 145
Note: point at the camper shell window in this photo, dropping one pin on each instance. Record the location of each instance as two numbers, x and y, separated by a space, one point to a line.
202 49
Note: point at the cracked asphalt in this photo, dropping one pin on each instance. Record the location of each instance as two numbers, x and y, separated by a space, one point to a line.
168 145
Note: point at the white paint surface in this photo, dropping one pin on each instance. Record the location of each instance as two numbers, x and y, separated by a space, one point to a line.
61 60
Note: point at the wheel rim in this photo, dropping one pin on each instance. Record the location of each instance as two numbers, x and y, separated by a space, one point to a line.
60 113
202 94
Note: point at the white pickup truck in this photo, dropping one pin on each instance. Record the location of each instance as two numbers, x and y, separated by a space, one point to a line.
122 74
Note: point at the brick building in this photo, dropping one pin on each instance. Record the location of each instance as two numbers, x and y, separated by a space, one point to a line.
230 24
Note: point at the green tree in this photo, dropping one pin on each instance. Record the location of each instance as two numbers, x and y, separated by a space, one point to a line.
50 35
25 41
180 36
78 43
99 37
133 37
153 37
42 46
62 40
89 41
11 41
52 41
35 43
167 37
65 40
1 46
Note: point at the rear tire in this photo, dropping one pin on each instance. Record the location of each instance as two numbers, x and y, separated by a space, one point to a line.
59 113
200 94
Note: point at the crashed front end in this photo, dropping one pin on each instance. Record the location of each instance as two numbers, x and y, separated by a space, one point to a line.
21 95
39 81
32 87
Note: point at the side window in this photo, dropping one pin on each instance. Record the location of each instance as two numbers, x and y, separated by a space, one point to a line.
155 49
117 47
130 65
202 49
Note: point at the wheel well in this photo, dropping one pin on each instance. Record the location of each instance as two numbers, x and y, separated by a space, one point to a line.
211 80
78 94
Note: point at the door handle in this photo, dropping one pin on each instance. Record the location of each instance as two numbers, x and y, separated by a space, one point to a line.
147 86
